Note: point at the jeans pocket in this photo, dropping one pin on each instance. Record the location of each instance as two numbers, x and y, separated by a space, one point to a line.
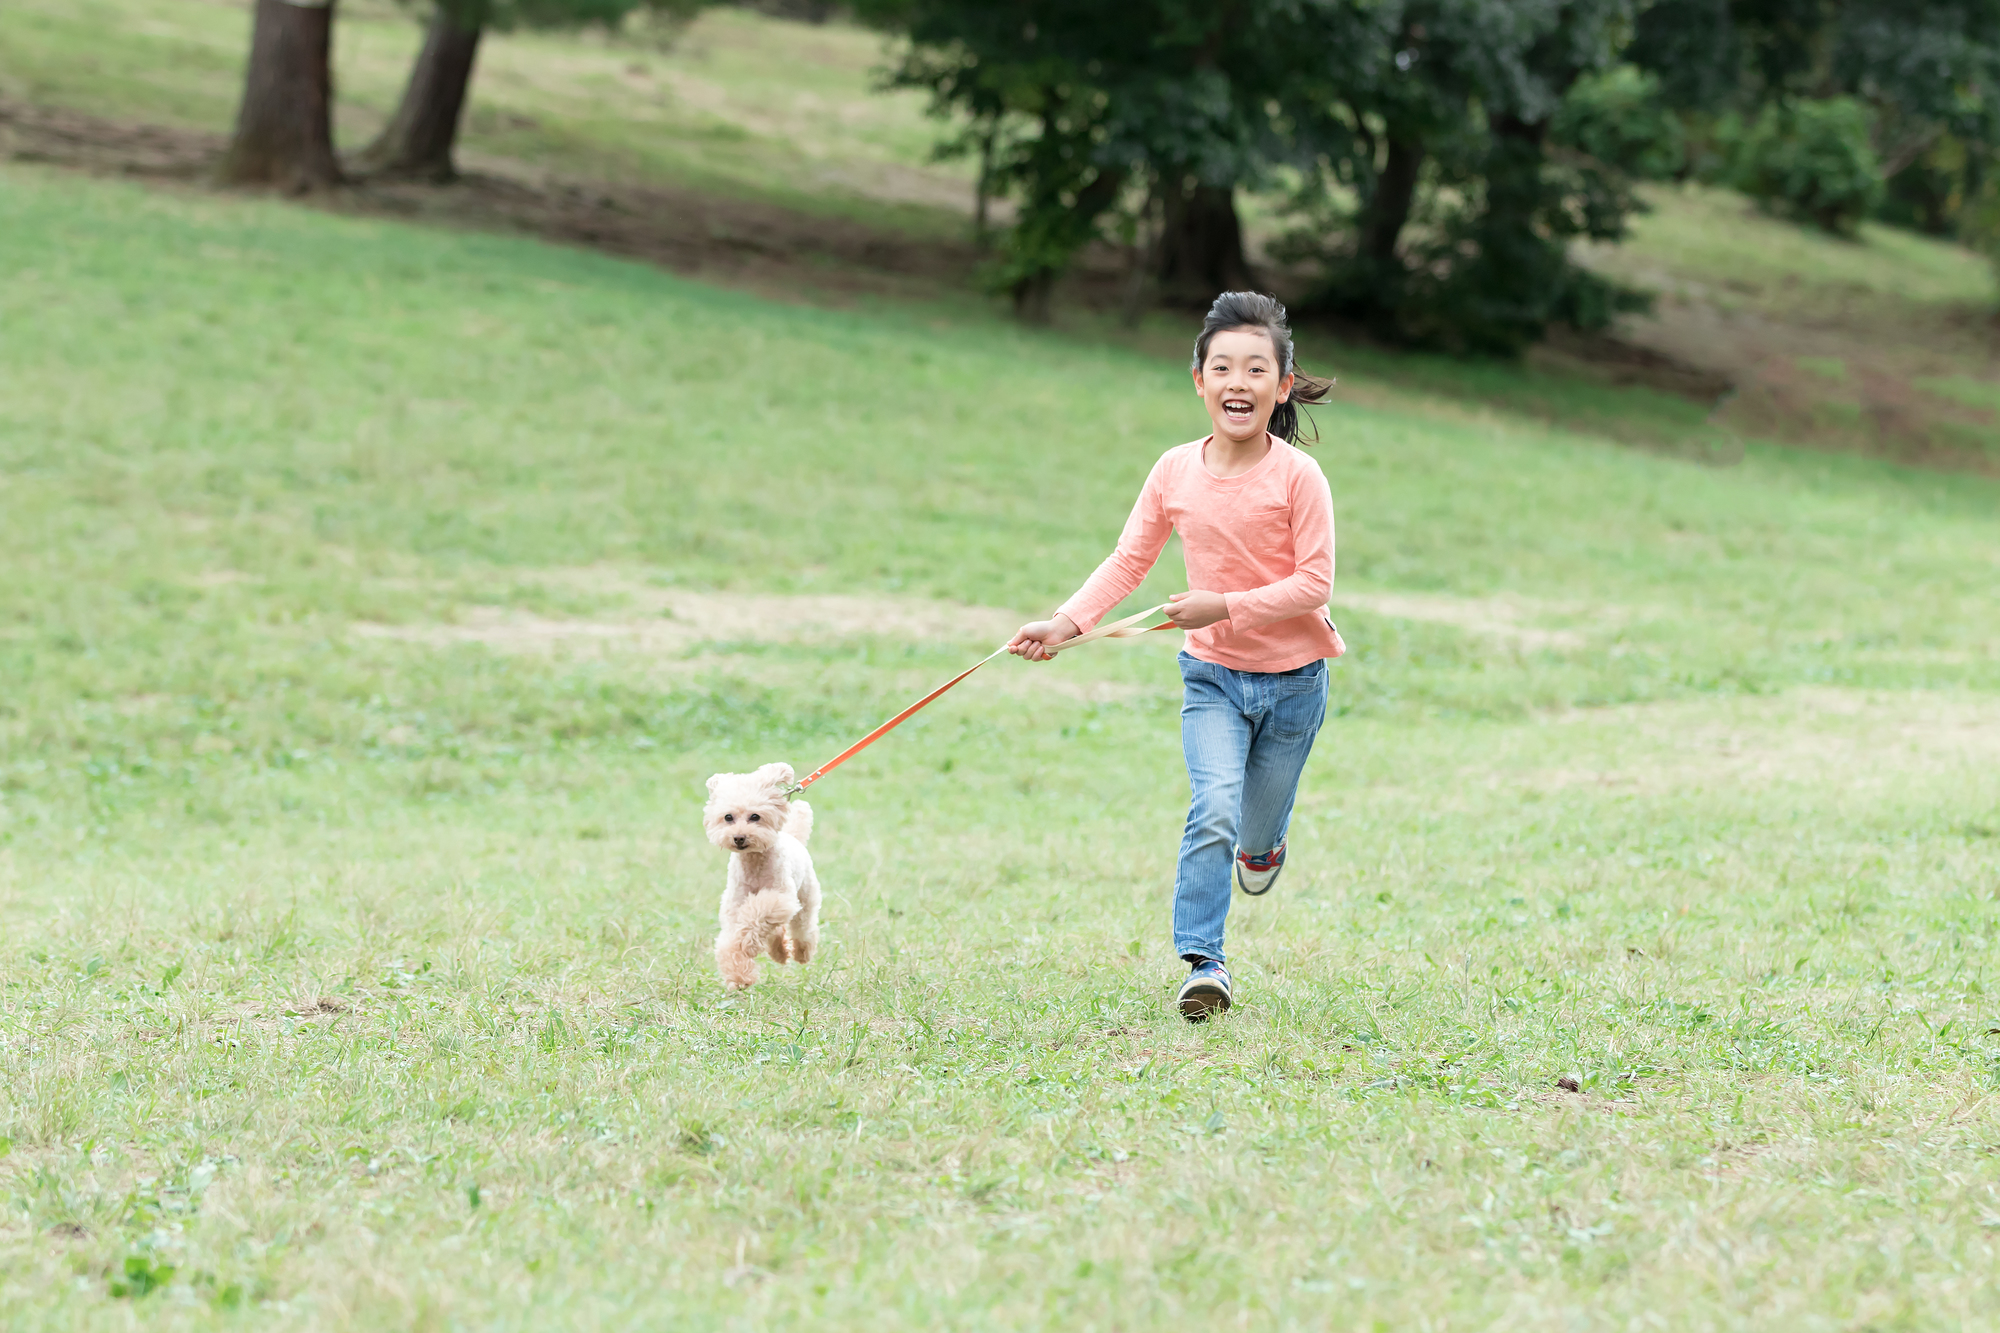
1298 707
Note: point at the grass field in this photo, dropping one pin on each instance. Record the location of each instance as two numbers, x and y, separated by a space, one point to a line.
373 602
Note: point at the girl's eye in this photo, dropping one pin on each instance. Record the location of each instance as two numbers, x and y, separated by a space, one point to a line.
729 819
755 818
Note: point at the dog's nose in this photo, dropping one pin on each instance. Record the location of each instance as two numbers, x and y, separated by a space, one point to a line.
742 841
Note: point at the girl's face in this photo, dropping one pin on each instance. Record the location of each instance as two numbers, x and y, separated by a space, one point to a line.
1239 383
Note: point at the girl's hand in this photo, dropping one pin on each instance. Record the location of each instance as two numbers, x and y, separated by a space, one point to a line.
1034 639
1197 610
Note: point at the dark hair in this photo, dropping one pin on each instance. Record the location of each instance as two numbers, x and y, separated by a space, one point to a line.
1266 314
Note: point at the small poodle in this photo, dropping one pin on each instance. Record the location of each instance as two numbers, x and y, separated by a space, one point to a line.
772 901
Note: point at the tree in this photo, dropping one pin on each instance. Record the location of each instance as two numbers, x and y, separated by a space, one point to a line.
1152 112
1448 126
419 139
1927 71
284 125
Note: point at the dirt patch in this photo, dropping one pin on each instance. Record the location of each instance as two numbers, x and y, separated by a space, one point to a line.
1624 363
1805 733
1497 618
747 243
665 620
93 143
673 626
1806 359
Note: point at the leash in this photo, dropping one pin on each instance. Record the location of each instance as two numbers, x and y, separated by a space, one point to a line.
1117 629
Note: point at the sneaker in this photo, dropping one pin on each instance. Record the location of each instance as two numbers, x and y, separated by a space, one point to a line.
1256 874
1205 992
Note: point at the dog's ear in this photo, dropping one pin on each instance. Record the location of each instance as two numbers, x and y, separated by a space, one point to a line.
715 782
776 775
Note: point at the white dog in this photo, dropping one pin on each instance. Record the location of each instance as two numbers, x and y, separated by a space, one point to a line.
772 901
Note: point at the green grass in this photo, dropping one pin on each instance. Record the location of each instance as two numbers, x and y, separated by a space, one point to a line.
1722 842
1749 260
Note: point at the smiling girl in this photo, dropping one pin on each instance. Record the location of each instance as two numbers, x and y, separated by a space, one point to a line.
1256 524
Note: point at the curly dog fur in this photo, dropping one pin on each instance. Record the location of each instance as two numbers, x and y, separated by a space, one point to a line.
771 903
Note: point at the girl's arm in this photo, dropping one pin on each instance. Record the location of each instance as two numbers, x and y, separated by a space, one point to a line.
1306 588
1139 545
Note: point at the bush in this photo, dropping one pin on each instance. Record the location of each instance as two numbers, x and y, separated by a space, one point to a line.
1812 161
1619 118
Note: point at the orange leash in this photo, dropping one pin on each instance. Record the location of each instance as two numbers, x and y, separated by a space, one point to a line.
1119 629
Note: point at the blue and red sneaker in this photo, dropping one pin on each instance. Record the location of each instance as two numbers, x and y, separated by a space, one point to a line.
1205 992
1256 874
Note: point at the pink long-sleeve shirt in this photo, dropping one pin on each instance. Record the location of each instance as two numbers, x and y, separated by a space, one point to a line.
1263 539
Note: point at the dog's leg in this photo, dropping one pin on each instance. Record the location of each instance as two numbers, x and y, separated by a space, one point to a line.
804 925
737 964
774 911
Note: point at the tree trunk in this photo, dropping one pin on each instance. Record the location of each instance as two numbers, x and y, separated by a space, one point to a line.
1389 205
1034 292
418 140
1201 243
284 127
982 202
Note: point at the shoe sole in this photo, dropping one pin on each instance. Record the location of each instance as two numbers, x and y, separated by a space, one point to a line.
1198 1003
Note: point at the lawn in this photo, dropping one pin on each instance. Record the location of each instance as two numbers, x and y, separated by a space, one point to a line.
373 602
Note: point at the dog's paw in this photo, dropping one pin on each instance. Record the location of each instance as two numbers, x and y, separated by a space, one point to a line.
781 950
802 950
738 972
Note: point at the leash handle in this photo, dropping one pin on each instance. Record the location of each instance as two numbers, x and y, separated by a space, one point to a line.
1127 628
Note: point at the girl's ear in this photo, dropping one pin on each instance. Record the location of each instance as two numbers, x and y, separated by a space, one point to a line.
1199 392
1285 388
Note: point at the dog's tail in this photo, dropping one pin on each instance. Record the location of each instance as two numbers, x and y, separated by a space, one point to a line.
799 823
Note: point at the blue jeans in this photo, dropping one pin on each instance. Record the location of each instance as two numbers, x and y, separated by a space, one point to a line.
1246 735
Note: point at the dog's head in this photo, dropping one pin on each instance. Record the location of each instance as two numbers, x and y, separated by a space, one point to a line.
746 811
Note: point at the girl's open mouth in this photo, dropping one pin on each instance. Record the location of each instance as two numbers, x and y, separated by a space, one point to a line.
1239 409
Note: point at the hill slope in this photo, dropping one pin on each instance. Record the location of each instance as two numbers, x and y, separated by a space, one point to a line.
374 600
761 153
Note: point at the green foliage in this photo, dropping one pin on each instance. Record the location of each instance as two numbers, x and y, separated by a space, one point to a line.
1474 92
1928 71
1810 160
1075 102
140 1276
1618 117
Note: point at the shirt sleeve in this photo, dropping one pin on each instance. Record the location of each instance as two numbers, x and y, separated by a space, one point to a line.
1306 588
1139 545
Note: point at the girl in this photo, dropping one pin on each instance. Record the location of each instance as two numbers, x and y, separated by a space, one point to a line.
1256 524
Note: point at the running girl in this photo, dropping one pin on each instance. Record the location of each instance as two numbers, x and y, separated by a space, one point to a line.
1256 524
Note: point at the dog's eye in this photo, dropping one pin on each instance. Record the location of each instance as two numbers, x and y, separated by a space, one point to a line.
729 819
755 818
